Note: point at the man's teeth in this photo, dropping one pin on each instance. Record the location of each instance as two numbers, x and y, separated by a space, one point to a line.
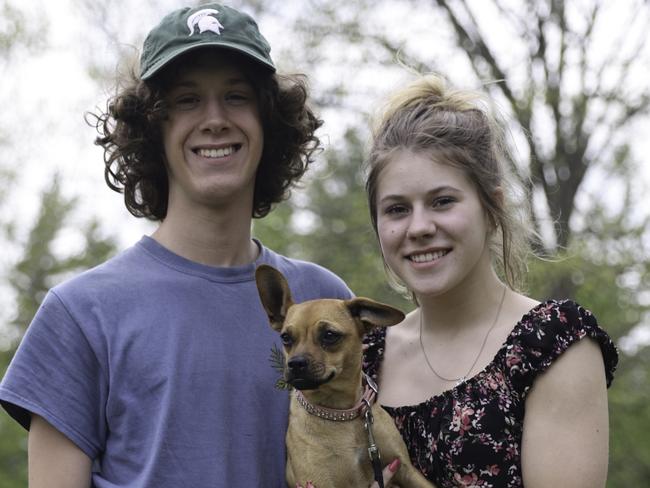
427 256
216 153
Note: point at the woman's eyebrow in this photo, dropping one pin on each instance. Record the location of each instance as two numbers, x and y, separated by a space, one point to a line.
433 191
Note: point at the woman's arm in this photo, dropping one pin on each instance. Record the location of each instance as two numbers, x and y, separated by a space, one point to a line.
566 431
54 461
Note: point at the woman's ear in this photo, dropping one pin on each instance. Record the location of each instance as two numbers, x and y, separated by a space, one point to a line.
498 200
498 196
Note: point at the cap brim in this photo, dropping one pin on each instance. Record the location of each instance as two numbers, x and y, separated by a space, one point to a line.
165 60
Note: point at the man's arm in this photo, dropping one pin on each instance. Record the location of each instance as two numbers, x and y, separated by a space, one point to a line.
565 438
54 460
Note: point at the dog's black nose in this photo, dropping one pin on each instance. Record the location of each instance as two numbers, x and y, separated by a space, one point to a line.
297 363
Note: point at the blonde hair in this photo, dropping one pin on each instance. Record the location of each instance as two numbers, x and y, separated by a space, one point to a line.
459 128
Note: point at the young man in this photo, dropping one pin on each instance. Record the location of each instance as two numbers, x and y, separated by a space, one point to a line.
152 369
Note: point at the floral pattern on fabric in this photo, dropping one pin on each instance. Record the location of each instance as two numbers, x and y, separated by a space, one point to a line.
470 436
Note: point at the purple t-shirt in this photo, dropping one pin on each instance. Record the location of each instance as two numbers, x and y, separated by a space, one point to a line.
158 369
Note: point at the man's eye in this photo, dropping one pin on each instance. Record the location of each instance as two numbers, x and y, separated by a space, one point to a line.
286 339
238 98
185 102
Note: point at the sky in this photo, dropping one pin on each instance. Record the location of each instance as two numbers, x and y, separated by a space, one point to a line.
45 95
48 93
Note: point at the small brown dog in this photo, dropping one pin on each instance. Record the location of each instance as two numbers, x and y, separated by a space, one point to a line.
328 441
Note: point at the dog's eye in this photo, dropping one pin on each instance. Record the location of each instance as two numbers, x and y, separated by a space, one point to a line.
286 339
330 337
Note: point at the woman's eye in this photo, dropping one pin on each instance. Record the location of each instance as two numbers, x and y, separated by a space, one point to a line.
443 202
396 210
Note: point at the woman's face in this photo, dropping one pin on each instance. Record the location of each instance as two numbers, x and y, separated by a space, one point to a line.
433 230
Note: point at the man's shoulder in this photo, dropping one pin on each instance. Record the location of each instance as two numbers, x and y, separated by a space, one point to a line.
309 280
113 274
298 268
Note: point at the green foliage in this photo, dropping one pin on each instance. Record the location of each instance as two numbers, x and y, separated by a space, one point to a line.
339 235
277 363
16 31
13 453
40 268
596 285
611 286
606 266
629 400
602 271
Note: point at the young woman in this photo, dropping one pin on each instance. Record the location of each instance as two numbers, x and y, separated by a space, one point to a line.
488 386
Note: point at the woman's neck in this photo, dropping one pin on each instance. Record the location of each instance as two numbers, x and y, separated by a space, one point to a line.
469 304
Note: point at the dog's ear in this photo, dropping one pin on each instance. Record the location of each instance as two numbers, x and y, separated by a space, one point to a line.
274 293
373 314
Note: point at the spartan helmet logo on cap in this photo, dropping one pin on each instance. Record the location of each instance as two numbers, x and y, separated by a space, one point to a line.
205 21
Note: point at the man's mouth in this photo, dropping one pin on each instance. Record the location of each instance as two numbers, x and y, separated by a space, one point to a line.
221 152
427 257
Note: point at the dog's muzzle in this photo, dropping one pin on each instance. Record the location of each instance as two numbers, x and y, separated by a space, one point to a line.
304 374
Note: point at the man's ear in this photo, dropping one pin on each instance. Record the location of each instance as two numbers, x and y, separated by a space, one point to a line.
371 314
274 293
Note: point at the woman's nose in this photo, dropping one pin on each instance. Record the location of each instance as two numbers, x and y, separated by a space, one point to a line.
421 224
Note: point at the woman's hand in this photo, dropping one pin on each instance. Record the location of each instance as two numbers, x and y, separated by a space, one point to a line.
389 472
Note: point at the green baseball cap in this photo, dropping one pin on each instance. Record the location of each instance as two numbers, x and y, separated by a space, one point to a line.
209 25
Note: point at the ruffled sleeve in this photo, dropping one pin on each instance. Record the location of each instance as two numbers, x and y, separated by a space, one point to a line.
545 333
373 352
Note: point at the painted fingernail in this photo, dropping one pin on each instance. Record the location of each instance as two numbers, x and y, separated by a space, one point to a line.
394 466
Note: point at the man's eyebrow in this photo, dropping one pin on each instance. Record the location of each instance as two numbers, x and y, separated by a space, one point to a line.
181 84
189 83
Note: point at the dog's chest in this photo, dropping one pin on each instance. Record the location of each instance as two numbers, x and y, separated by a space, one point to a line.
336 453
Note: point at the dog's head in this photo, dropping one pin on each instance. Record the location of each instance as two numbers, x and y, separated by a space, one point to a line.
322 339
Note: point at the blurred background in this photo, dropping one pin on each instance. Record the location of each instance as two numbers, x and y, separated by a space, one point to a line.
570 77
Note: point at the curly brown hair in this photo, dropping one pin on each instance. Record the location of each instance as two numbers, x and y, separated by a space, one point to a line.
130 134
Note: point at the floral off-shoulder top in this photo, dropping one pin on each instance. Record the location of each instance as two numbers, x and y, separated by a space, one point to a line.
470 436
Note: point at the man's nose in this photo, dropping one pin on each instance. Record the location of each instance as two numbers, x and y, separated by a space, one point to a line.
215 116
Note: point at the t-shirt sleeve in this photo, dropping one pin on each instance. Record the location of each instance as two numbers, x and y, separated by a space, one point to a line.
548 331
310 281
56 374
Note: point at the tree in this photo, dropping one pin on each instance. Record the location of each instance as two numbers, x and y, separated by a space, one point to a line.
330 225
574 88
41 266
557 68
609 285
582 95
16 35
